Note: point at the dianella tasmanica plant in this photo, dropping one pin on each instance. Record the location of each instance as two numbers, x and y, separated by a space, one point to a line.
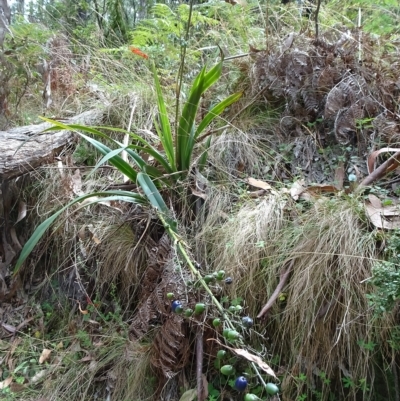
173 160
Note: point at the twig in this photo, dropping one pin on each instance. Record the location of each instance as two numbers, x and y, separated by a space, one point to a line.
380 171
282 281
316 18
199 364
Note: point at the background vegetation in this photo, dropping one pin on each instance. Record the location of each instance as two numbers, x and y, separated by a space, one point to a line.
233 168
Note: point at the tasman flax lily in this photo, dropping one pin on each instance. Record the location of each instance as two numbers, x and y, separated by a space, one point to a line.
173 161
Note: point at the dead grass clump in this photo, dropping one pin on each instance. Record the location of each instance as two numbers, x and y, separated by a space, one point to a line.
122 257
326 313
235 151
91 252
242 240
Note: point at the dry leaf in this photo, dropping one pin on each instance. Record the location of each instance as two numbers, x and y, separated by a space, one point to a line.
189 395
288 41
9 328
5 383
21 211
258 184
297 189
60 168
96 240
83 311
93 366
375 201
39 376
372 157
199 194
45 355
86 358
339 175
17 388
323 188
383 217
205 386
76 183
250 357
15 239
256 359
82 233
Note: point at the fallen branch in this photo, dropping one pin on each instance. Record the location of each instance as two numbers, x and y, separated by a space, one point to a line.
381 171
282 281
199 364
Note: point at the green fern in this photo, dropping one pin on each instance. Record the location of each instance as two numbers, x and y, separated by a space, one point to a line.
165 28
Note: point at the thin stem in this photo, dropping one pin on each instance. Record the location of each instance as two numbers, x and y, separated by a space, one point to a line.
179 243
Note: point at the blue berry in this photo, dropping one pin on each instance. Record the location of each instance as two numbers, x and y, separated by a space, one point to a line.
241 383
176 306
228 280
247 321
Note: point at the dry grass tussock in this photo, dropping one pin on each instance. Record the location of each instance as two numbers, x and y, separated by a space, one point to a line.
238 242
319 325
92 248
327 313
235 151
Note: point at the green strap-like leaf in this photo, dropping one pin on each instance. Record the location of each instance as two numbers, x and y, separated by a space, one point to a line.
164 132
212 76
152 192
187 119
117 161
155 198
216 111
125 196
157 156
203 158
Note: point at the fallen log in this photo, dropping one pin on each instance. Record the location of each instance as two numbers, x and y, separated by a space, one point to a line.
22 150
37 148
